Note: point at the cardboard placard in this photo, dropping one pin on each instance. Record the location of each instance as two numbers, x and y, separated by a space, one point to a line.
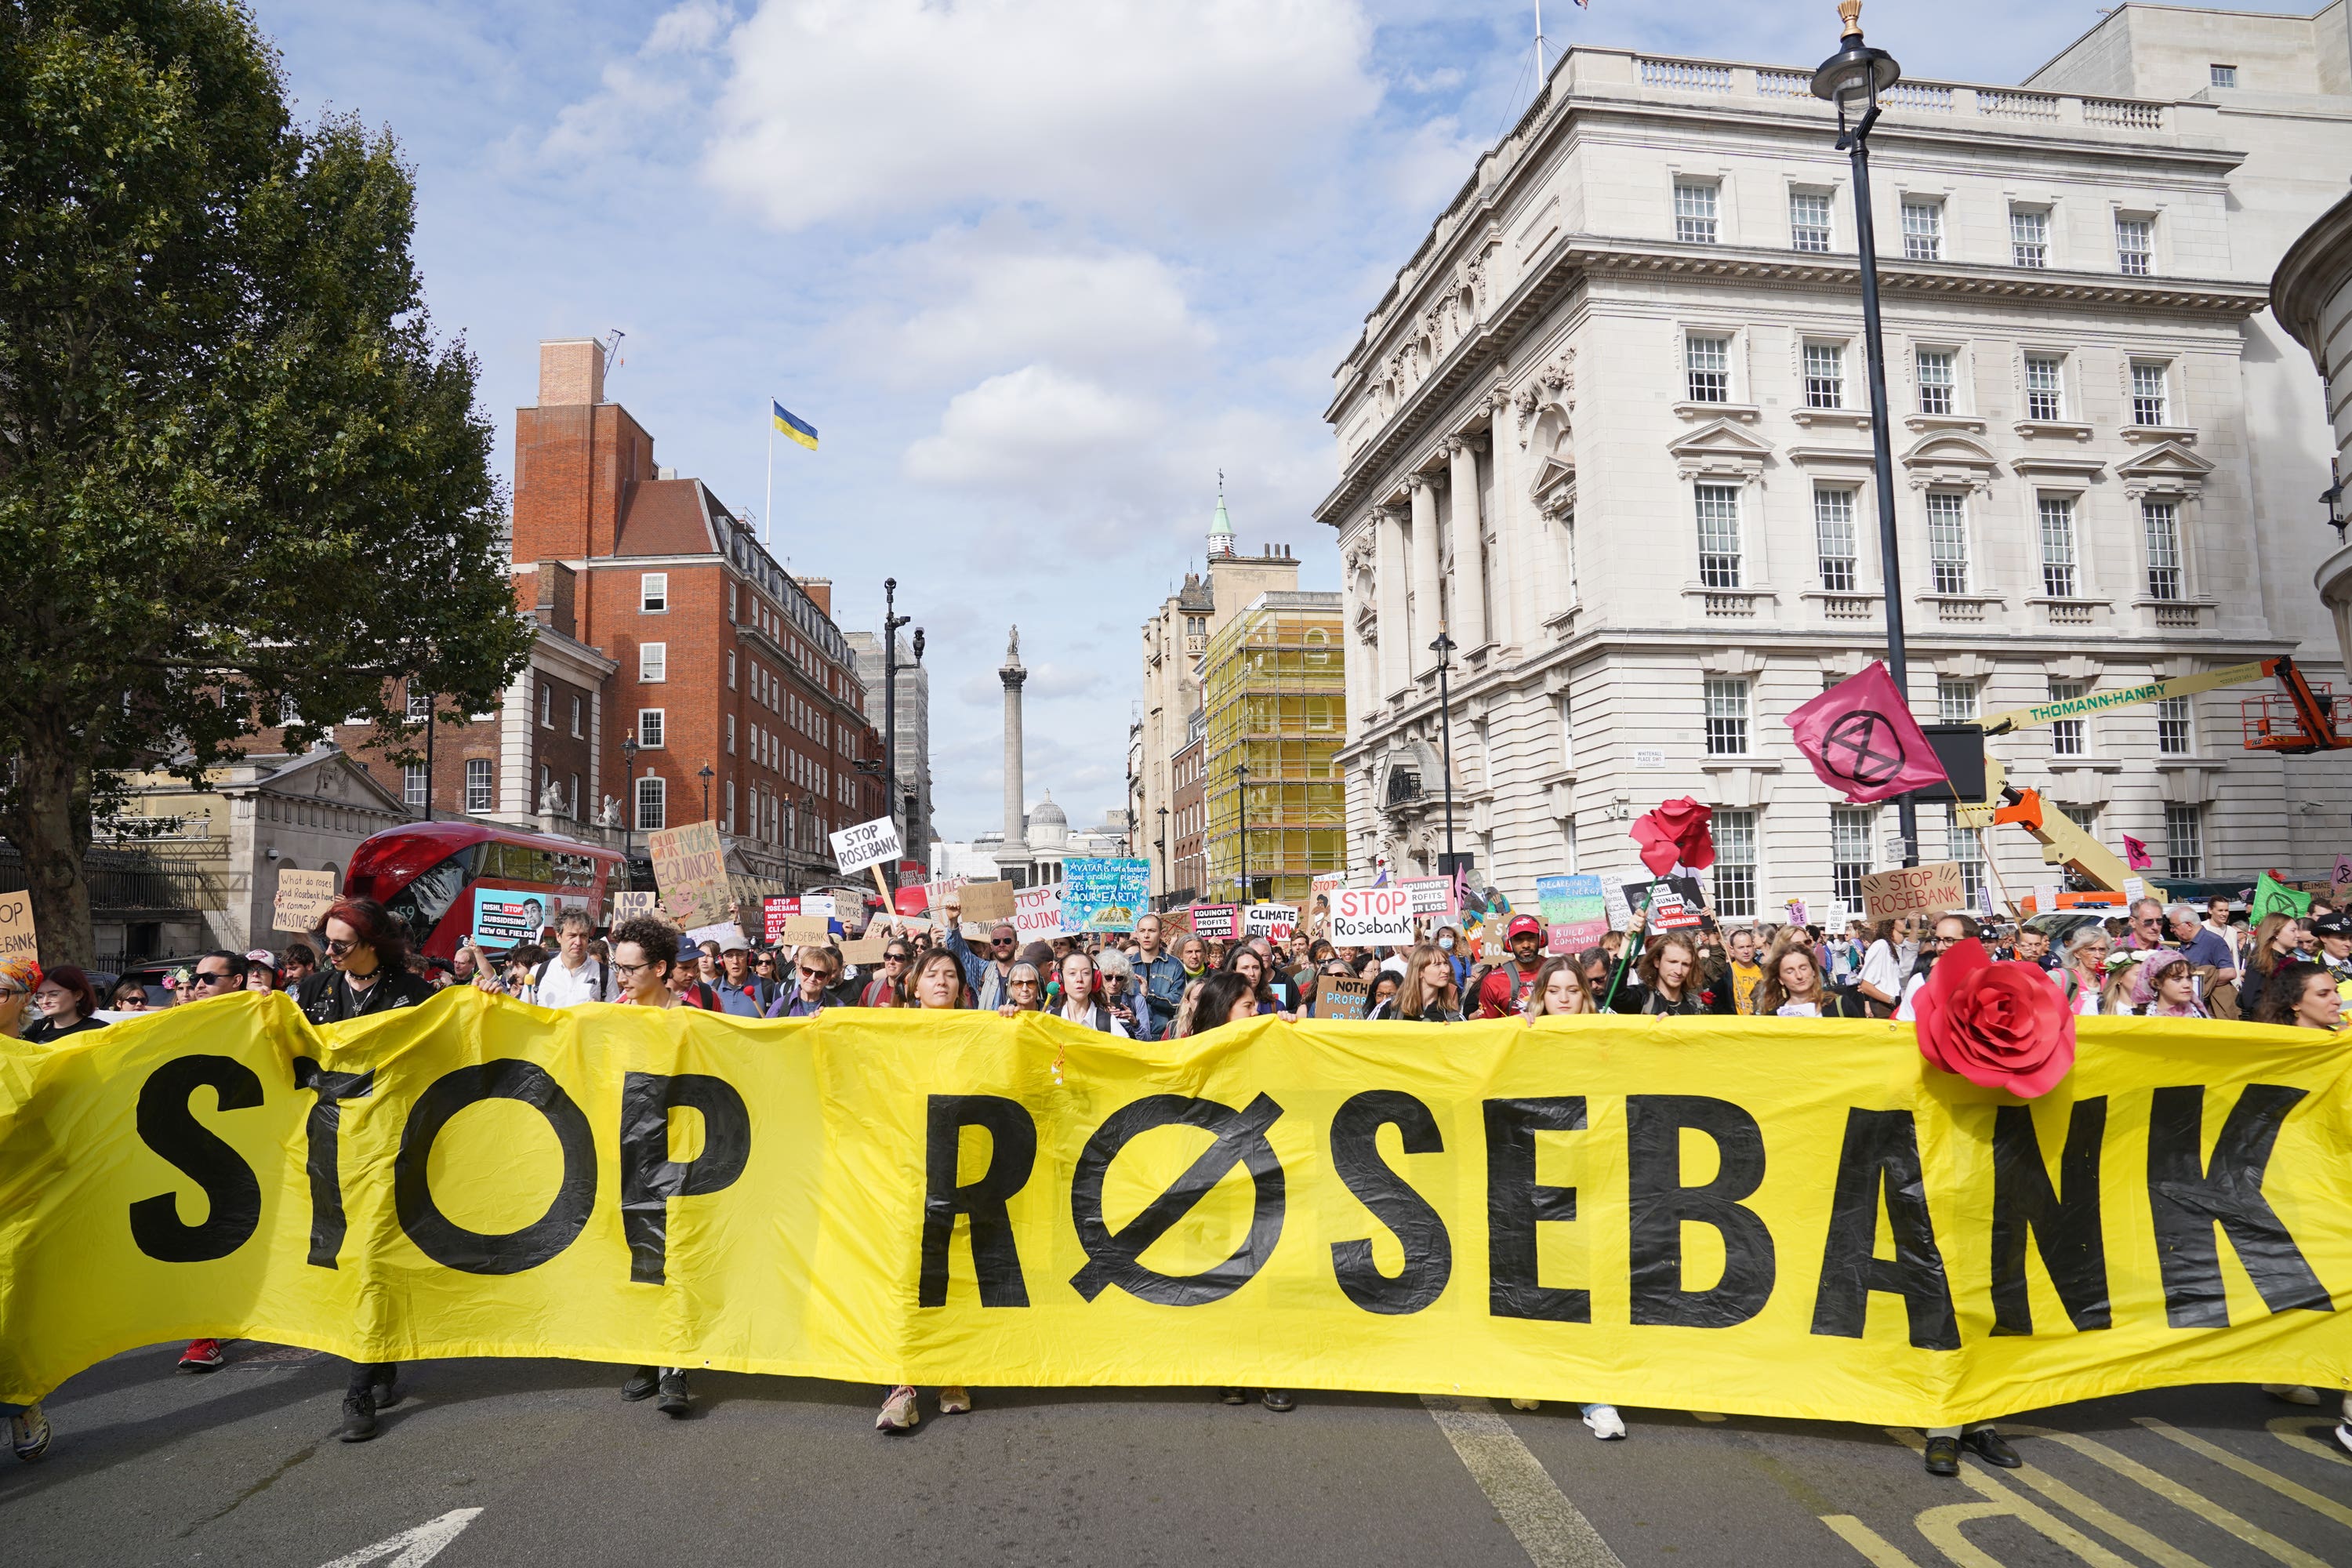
1274 922
867 844
16 938
690 870
628 906
1432 897
865 952
1213 922
1372 917
301 900
1037 913
805 931
726 933
773 913
1342 999
987 904
1574 912
1914 890
507 917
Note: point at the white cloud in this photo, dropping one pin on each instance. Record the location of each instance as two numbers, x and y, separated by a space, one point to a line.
1028 424
653 88
995 307
874 108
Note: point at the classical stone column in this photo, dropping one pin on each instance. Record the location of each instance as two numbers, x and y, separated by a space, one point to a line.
1390 590
1425 572
1012 674
1469 547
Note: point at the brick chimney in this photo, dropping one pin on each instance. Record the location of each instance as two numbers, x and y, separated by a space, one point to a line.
819 590
576 457
570 370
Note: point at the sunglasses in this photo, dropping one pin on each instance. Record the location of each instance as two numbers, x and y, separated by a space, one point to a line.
1000 941
335 945
895 957
807 974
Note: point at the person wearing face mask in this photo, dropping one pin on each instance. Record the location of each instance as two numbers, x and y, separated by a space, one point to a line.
1448 941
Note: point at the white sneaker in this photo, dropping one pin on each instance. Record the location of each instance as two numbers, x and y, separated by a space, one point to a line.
28 1434
954 1399
898 1412
2343 1433
1605 1422
2291 1392
1527 1404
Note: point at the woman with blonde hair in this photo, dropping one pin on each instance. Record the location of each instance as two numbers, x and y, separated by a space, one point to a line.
1558 990
2117 997
1793 986
1428 993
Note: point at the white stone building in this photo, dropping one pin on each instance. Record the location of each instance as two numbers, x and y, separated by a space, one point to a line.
1609 428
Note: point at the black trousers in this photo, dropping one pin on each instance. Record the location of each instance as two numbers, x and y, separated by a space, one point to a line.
367 1376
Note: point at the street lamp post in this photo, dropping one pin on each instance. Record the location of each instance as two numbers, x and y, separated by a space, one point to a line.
1443 648
629 800
706 775
1854 79
891 622
1167 872
1240 809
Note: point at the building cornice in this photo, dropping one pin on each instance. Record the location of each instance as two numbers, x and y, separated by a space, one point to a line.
1581 258
2308 275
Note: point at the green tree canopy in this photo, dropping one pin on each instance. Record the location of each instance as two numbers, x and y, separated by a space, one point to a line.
239 476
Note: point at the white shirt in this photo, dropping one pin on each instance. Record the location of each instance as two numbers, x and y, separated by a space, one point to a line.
1910 993
562 987
1882 971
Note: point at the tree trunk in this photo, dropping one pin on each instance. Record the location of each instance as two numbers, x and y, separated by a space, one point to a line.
53 812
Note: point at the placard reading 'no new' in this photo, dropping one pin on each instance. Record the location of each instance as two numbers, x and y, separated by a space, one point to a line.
867 844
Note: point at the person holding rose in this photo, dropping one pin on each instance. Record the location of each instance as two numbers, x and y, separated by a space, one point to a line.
1668 982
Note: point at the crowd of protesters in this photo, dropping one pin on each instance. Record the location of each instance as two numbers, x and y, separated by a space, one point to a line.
2150 959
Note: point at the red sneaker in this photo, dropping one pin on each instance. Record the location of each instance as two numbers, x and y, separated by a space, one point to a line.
202 1355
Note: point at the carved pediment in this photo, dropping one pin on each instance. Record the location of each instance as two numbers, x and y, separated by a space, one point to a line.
1950 459
2168 469
1720 449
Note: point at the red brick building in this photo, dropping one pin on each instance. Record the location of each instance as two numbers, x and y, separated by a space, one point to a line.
721 659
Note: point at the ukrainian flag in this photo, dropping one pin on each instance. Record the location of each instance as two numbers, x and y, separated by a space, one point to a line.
792 424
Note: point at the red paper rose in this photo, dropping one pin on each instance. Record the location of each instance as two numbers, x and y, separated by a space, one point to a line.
1676 831
1999 1026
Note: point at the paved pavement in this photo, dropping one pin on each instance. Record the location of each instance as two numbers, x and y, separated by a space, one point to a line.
523 1464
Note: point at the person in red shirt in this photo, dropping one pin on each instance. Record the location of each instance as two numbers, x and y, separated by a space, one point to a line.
1504 989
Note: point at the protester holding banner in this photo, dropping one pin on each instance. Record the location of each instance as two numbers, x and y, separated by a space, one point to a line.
1560 990
2083 978
647 956
1428 995
1119 991
815 968
2164 985
2303 995
937 982
1793 986
1668 981
1081 997
884 988
65 1001
573 975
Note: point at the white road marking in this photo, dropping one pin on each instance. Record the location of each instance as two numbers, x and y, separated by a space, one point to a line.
1551 1529
417 1547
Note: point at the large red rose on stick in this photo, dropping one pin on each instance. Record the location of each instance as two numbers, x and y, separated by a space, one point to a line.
1676 831
1999 1026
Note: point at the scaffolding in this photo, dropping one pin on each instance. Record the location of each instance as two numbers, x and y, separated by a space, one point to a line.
1274 689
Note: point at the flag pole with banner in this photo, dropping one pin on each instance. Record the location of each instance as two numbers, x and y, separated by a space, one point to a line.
782 418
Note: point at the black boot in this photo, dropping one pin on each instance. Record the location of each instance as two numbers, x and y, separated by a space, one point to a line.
1279 1399
675 1399
359 1418
642 1385
1943 1455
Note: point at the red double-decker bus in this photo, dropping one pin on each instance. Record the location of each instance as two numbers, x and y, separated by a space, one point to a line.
439 878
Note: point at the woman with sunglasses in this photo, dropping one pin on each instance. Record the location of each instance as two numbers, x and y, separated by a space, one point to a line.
882 991
936 980
816 969
1025 990
130 997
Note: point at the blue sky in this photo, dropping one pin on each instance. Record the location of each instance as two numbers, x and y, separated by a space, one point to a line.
1035 269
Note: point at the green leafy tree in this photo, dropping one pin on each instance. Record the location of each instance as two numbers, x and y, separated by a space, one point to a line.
238 477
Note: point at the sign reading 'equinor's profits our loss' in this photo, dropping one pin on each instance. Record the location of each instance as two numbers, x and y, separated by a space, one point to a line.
1372 917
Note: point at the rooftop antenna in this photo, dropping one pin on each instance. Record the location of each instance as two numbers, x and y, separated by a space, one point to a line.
1539 47
612 360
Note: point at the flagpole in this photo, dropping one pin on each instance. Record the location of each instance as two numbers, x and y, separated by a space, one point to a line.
767 518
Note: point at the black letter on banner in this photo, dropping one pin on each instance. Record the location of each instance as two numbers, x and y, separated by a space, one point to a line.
1882 1148
1011 1155
2064 1224
451 1244
167 1126
324 1161
1356 1155
1516 1206
1658 1207
1241 1139
650 1178
2187 1201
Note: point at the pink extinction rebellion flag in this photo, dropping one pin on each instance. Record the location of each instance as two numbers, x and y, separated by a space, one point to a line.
2135 855
1863 742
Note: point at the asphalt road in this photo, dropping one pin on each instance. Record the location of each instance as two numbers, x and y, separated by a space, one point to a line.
521 1464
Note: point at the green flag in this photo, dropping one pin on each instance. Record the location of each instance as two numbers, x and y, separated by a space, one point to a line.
2272 897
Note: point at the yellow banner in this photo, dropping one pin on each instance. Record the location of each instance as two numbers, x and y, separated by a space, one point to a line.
1778 1217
